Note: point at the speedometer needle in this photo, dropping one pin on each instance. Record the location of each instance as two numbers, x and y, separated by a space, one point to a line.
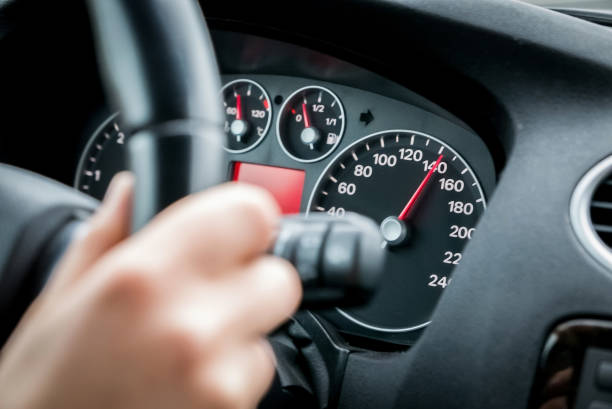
419 190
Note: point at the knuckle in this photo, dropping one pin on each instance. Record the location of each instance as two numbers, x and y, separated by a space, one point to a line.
136 286
184 349
256 207
222 393
283 280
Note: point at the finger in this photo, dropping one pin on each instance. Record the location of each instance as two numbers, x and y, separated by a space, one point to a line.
238 377
107 227
210 231
244 305
250 303
264 296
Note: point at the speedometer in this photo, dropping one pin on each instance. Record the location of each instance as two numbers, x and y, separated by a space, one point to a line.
427 201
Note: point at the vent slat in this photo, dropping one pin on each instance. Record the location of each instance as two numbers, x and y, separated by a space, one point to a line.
601 211
601 204
602 228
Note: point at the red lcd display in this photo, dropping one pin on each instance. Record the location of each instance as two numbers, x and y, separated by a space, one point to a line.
286 185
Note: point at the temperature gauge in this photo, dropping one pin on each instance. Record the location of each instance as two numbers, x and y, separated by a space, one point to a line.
311 124
247 114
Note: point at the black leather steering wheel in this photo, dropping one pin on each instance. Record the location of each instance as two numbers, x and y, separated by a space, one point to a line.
487 334
160 70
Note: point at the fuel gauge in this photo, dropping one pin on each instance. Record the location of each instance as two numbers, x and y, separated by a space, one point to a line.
311 124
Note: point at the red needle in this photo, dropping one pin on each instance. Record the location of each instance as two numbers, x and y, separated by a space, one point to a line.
306 118
419 190
238 107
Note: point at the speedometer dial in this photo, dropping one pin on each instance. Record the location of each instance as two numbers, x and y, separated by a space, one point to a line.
427 200
103 157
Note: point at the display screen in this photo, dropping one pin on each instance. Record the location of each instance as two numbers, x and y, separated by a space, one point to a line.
286 185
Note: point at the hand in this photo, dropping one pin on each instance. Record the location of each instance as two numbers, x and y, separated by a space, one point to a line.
171 317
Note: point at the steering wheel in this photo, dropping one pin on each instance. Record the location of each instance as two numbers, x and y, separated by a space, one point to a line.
485 342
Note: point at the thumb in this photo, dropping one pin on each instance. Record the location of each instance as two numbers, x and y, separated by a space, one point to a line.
107 227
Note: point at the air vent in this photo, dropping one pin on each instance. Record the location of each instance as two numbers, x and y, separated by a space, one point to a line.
591 211
601 210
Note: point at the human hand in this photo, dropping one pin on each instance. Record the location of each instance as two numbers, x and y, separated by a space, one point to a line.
173 316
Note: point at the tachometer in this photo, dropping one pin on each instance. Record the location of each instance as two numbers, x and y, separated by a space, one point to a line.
248 114
427 200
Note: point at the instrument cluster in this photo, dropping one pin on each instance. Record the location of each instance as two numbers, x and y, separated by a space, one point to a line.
319 146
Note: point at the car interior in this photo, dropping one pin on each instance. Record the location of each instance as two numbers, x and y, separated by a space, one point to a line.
444 168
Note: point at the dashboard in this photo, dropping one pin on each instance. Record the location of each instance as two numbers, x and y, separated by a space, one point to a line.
335 147
518 94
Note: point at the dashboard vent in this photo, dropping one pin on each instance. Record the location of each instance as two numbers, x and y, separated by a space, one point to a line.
591 211
601 210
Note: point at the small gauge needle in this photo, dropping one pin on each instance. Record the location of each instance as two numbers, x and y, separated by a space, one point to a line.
238 107
419 190
306 117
